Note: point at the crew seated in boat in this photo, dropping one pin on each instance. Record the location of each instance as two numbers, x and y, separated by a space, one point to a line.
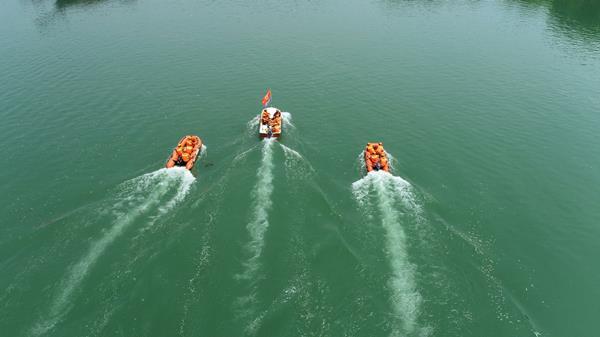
384 164
184 150
277 116
376 148
264 118
376 158
183 160
370 150
375 162
189 144
275 122
180 158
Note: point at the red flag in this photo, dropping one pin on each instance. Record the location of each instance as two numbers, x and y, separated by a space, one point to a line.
267 99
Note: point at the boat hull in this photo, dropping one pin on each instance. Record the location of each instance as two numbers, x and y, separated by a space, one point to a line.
376 158
171 162
270 123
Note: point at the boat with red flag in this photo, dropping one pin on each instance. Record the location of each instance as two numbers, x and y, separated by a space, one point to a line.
270 122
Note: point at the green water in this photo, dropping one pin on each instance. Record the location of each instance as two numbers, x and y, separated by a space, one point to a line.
490 225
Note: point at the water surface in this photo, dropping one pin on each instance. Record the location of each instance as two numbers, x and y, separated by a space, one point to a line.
491 110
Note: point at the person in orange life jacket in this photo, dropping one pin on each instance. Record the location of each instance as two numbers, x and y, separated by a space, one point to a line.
191 144
276 122
277 117
264 119
184 150
183 159
384 164
179 158
378 149
373 162
369 149
176 153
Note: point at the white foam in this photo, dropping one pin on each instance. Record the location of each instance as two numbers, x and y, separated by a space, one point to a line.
405 298
296 166
242 155
185 180
289 152
391 161
137 197
203 152
287 119
257 227
193 291
262 204
252 124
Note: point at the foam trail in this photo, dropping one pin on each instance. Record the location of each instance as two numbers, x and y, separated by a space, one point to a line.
257 228
296 166
242 155
291 152
252 125
203 152
292 160
405 298
186 179
392 161
262 204
287 119
146 191
193 291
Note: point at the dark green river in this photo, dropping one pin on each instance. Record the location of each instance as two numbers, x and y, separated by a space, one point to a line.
488 226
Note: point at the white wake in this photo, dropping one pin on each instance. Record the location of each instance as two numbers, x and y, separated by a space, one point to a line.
137 197
389 196
261 206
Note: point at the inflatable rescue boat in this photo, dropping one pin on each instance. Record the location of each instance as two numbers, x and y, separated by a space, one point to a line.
270 123
376 158
185 153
